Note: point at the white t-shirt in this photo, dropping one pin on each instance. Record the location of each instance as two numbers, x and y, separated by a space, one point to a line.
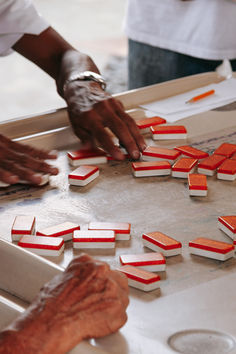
200 28
18 17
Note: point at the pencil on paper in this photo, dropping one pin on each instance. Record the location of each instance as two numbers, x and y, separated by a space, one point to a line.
201 96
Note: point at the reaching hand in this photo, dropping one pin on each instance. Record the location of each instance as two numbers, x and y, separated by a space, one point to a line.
91 110
23 162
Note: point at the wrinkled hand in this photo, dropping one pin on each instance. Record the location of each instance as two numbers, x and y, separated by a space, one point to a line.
23 162
87 301
91 110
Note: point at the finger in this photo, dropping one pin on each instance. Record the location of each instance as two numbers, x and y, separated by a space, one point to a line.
120 129
33 164
24 174
28 162
121 279
122 284
26 149
8 177
104 139
132 126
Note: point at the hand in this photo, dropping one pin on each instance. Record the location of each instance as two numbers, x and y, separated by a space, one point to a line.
22 162
88 300
91 110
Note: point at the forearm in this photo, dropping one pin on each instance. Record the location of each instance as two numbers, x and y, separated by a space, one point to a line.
54 55
35 331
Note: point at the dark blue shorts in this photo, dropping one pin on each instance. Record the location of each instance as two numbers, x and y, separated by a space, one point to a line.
150 65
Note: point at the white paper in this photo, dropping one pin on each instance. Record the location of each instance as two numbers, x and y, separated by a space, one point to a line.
175 107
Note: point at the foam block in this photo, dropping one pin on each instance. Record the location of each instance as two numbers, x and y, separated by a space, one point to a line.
154 153
227 170
209 165
43 246
190 151
3 184
64 230
145 124
87 157
140 279
183 167
152 262
166 132
22 225
148 169
94 239
228 225
83 175
197 185
206 247
121 229
226 150
159 242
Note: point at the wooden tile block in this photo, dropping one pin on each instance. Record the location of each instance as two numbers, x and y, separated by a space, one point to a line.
166 132
94 239
211 248
64 230
140 279
183 167
197 185
154 153
148 169
226 150
192 152
83 175
209 165
228 225
87 157
152 262
43 246
145 124
122 229
22 225
227 170
159 242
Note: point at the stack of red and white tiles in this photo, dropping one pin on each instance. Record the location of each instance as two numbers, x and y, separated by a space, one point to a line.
50 241
138 268
181 162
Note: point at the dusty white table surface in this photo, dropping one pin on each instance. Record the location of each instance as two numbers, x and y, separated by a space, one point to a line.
149 204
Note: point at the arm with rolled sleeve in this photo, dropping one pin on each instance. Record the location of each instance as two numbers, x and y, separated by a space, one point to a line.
90 108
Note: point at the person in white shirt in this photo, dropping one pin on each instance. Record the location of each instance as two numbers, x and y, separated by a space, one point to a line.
173 38
78 81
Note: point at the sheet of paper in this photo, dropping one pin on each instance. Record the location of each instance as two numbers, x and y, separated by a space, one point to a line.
175 107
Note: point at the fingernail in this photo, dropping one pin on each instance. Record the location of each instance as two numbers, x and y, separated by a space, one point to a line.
143 147
54 171
53 153
118 155
136 154
36 178
13 179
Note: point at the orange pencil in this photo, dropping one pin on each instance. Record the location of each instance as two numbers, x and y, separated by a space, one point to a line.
200 97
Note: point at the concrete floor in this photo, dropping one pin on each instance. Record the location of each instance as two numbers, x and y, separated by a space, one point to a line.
92 26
